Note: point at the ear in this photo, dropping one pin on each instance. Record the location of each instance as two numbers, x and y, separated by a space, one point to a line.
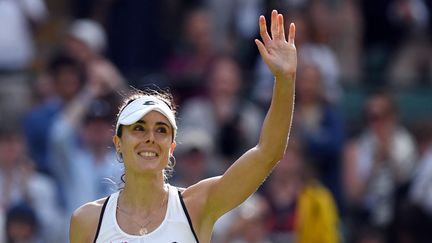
116 141
173 146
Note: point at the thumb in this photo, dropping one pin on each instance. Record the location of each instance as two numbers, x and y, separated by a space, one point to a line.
261 48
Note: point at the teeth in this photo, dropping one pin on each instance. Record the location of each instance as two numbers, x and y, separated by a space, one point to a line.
147 154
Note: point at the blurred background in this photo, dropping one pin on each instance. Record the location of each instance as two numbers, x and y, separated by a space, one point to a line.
358 167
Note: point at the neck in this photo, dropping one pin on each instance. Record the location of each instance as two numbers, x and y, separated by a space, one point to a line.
143 192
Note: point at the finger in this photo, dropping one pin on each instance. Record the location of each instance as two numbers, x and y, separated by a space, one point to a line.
273 24
291 35
281 29
263 30
261 48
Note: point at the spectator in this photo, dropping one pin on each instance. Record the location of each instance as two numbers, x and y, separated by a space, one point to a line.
412 62
347 40
80 136
414 213
248 224
377 164
18 20
233 27
193 158
83 160
22 225
67 79
224 112
422 180
319 125
21 183
191 58
86 42
301 209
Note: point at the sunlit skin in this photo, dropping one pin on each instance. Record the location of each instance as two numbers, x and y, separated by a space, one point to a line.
146 145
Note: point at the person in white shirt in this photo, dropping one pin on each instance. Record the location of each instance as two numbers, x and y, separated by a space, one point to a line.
148 209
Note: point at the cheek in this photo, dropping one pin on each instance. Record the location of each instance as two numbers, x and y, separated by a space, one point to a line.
164 140
125 144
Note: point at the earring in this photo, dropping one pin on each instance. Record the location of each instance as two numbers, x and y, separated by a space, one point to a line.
119 156
172 161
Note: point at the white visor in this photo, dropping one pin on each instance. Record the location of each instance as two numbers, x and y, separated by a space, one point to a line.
138 108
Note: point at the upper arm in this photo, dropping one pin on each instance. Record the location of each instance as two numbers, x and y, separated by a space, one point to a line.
220 194
77 230
84 221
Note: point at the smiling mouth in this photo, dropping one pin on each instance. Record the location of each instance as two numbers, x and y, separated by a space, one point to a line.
148 154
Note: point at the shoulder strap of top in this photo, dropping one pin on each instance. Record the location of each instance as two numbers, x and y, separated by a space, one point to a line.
187 215
100 218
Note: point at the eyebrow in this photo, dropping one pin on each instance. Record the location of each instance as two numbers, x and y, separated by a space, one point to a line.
157 123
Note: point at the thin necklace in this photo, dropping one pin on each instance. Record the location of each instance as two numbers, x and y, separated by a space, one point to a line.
143 227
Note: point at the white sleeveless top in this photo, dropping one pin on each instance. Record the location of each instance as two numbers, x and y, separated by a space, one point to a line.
175 228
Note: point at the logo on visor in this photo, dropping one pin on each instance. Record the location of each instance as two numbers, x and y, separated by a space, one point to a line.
150 102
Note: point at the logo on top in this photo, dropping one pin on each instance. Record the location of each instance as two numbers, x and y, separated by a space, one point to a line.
150 102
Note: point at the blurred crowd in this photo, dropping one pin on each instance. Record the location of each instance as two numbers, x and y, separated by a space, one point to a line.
358 168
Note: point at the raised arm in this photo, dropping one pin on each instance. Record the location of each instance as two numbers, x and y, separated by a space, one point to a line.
250 170
281 58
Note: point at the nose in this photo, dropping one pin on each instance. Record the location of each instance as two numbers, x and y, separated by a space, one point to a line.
150 137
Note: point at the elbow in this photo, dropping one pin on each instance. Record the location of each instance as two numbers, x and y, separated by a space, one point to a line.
273 154
279 156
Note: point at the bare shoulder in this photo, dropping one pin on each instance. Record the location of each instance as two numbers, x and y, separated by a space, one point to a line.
84 221
89 211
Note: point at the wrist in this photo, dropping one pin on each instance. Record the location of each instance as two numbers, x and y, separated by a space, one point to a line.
285 77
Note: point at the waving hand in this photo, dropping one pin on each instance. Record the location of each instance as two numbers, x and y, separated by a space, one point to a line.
278 53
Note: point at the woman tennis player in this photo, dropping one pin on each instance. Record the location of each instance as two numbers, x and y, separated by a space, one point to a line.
148 209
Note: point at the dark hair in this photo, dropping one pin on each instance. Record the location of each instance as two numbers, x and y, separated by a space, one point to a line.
21 213
61 60
103 109
163 95
387 96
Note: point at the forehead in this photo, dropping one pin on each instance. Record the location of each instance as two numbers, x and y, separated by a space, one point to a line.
154 117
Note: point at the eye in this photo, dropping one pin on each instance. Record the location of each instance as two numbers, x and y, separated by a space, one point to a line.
162 130
138 128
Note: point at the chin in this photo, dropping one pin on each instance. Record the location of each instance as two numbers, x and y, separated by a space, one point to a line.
150 165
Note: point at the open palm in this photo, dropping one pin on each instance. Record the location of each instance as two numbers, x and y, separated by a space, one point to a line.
279 54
